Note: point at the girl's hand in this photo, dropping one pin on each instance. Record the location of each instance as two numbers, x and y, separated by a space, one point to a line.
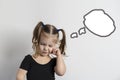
56 51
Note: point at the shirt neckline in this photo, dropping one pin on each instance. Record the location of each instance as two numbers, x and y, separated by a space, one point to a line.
39 63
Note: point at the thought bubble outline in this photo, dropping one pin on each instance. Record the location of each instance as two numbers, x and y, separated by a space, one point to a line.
106 15
79 31
74 35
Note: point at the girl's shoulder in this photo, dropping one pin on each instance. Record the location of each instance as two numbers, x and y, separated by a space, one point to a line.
25 64
27 57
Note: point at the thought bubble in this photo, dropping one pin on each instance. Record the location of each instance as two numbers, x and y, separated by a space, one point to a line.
97 22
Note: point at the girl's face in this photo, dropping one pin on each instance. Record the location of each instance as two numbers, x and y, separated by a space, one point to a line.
47 44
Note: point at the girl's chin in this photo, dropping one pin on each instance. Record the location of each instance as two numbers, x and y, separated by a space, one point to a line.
44 54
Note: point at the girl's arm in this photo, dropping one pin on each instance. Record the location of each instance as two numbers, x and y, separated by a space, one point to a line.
21 74
60 67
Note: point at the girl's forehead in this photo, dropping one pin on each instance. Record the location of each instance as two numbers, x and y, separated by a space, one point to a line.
48 39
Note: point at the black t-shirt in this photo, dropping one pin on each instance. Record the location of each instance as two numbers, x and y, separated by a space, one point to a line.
36 71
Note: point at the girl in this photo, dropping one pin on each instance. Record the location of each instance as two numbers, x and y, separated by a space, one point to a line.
40 66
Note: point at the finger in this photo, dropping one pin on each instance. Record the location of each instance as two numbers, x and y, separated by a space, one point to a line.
54 51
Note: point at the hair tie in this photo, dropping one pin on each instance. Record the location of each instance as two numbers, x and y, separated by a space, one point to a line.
42 24
58 30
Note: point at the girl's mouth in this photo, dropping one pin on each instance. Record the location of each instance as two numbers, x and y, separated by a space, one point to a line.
45 52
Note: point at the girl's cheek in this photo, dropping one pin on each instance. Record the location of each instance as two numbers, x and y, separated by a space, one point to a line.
51 50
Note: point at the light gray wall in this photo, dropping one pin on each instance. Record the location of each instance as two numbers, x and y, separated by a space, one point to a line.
90 57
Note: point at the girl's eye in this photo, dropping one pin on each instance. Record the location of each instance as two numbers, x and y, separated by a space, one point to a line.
50 46
42 43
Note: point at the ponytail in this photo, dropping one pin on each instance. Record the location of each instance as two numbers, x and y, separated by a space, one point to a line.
62 42
37 32
36 36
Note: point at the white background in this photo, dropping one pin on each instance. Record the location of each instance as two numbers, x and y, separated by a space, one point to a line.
89 57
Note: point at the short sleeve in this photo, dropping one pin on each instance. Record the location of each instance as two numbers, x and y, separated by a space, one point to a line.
25 63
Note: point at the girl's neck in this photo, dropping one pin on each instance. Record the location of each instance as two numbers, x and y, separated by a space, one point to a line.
43 57
40 56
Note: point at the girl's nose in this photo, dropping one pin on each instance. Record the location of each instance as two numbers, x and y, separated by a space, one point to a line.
45 48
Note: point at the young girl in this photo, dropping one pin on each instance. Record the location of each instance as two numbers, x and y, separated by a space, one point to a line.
40 65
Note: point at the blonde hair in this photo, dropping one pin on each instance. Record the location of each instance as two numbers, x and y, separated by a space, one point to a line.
49 29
